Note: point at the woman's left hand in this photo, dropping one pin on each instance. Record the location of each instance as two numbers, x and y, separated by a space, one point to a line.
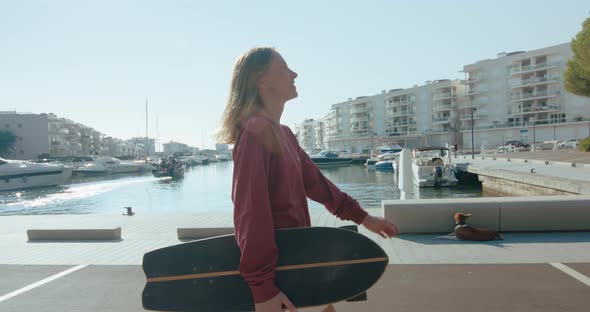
381 226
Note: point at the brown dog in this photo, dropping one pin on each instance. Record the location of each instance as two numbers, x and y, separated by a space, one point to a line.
468 233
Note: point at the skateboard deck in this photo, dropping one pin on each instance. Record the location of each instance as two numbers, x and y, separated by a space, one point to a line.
316 266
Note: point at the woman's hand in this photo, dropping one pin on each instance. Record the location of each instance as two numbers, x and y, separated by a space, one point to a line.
381 226
275 304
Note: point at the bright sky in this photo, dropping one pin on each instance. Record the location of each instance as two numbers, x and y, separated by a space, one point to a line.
95 62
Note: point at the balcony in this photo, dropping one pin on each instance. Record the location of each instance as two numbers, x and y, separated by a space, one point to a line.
360 118
475 116
443 107
398 103
537 109
533 81
404 112
472 80
470 104
446 95
521 69
476 92
355 109
441 120
534 96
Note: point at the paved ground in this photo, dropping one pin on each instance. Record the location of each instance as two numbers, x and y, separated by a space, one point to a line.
565 155
426 272
564 170
442 287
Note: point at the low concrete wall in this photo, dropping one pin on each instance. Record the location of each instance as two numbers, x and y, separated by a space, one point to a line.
545 213
507 214
436 215
74 234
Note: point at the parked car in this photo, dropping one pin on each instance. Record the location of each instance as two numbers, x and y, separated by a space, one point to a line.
549 145
516 143
571 143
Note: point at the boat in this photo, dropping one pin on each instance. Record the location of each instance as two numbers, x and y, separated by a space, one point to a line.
169 168
105 164
18 174
174 172
370 163
328 158
386 161
431 167
385 165
87 166
115 165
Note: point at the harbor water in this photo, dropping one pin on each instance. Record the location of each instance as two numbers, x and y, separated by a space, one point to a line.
203 189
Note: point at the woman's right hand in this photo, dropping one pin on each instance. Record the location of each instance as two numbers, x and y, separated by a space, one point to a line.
275 304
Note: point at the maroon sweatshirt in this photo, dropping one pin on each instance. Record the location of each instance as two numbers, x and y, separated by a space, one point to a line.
272 179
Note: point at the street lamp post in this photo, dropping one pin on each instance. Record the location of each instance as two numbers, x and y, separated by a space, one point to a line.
534 135
472 143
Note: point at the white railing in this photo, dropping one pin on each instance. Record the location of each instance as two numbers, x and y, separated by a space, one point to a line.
440 96
535 109
523 96
533 80
516 69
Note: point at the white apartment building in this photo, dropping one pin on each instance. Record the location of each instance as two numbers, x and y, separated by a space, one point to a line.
143 146
48 135
31 131
176 147
516 96
306 135
398 116
117 147
521 95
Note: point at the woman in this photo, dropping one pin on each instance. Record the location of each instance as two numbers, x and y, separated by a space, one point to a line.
272 175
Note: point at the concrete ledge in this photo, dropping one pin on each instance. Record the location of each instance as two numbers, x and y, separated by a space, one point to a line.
200 233
436 215
507 214
545 213
74 234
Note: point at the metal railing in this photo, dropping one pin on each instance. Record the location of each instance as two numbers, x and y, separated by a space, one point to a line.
524 96
516 69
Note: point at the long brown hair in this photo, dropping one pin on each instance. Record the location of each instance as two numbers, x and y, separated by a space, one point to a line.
244 98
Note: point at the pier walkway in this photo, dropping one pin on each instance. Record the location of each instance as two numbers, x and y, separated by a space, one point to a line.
525 272
564 171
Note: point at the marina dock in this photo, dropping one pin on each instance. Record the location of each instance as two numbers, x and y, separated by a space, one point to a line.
556 172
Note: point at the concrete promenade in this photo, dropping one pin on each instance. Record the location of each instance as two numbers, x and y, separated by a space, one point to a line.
525 272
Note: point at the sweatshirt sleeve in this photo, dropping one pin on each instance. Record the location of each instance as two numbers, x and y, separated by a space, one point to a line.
322 190
253 222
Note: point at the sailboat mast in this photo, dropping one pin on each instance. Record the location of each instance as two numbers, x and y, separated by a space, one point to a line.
147 138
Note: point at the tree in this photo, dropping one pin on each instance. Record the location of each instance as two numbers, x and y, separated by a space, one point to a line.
577 74
7 140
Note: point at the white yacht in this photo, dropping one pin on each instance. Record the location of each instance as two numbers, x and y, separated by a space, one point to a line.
105 164
87 165
431 166
119 166
17 174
